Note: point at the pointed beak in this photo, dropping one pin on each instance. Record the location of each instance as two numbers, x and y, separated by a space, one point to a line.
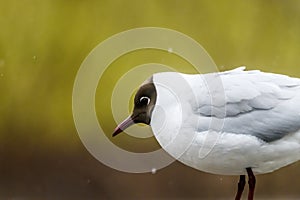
125 124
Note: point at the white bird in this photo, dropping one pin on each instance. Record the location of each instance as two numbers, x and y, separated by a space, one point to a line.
229 123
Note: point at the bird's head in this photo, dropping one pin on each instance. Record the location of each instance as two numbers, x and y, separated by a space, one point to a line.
144 102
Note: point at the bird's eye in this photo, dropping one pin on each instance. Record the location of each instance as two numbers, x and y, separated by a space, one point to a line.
144 100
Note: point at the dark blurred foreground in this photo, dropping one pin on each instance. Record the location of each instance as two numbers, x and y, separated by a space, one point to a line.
30 171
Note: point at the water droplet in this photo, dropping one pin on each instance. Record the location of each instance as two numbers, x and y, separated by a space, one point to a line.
34 57
170 50
153 170
1 74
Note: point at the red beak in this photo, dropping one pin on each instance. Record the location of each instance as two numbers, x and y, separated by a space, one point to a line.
125 124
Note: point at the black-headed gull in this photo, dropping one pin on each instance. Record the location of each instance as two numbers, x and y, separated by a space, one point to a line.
230 123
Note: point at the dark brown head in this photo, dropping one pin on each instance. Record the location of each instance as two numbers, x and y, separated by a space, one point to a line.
144 102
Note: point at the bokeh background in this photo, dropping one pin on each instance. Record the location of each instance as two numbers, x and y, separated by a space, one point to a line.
43 43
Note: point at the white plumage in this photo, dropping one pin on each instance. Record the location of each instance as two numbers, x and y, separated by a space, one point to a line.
226 122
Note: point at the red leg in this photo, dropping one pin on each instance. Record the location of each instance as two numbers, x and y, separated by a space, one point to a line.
251 183
241 186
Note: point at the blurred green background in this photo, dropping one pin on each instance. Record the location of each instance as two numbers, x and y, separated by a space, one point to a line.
43 43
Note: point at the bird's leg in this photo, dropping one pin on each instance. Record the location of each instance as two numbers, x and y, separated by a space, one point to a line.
241 186
251 183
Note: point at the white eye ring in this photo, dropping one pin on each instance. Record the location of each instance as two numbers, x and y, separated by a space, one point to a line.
142 99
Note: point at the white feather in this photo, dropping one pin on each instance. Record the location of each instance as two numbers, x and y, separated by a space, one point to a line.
251 119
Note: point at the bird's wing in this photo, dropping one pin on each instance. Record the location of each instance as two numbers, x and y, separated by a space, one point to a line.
261 104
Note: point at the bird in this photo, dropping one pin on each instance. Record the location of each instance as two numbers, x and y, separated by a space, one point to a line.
237 122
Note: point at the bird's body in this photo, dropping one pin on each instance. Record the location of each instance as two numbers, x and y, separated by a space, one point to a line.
231 123
257 117
233 153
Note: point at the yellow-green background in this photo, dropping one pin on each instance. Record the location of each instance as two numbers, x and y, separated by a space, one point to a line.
42 44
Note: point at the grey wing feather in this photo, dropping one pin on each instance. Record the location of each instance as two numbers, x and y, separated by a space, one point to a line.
264 105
